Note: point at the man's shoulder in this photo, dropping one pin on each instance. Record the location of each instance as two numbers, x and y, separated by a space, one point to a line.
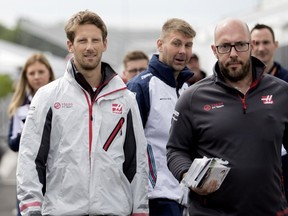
52 89
278 79
140 79
282 73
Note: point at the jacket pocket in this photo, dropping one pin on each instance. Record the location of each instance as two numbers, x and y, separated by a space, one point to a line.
113 134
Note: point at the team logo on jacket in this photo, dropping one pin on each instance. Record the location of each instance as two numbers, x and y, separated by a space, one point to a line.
267 99
117 108
58 105
209 107
175 115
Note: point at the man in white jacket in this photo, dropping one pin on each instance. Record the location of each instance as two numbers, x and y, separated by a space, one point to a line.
157 90
83 149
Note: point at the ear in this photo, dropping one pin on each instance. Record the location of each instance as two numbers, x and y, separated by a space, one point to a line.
276 44
214 49
160 45
253 44
69 45
105 45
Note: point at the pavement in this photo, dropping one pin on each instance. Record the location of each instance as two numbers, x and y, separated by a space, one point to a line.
8 165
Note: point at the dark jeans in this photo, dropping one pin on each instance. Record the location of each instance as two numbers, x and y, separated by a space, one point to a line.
164 207
17 208
285 174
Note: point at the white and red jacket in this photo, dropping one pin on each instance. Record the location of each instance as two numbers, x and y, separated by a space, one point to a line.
83 152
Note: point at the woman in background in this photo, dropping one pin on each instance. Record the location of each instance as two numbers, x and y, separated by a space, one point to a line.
37 72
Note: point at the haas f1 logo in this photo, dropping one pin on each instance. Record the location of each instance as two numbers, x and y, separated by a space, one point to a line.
117 108
267 99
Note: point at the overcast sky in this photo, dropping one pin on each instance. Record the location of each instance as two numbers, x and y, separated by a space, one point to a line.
125 13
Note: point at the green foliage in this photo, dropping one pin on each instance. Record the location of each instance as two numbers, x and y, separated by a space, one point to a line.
7 34
6 85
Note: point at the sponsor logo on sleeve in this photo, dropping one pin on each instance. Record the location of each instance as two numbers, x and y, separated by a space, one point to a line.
175 115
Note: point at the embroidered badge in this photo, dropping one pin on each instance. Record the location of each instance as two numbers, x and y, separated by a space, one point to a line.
267 99
63 105
209 107
117 108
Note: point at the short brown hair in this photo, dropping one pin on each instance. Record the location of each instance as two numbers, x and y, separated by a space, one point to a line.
81 18
134 55
177 25
194 56
263 26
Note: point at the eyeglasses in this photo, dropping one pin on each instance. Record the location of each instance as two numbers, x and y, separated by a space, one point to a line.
135 70
239 47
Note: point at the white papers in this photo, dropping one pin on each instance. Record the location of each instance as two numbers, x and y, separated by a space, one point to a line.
203 170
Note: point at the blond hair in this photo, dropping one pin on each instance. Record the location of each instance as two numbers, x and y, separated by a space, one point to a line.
22 86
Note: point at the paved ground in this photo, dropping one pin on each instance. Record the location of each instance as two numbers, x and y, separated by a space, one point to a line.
8 184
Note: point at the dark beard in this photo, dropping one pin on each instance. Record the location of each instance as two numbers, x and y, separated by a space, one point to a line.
235 76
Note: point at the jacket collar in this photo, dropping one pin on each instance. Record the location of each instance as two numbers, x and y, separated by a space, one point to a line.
166 73
107 76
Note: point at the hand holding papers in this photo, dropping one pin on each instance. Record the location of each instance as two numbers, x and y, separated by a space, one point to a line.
204 170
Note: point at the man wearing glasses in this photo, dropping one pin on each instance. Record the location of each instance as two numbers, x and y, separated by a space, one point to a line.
134 62
264 49
239 114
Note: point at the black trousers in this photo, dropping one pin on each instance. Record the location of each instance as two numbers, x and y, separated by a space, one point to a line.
165 207
285 174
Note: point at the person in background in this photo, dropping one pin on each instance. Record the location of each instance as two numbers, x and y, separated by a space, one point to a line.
240 115
157 90
134 62
36 73
264 49
194 65
83 148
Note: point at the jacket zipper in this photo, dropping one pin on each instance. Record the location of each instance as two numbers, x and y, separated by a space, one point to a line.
115 131
90 105
243 100
244 105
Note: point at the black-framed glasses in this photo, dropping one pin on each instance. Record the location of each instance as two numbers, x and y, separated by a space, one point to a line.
135 70
239 47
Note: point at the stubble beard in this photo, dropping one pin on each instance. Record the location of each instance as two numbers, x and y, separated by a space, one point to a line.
88 66
235 75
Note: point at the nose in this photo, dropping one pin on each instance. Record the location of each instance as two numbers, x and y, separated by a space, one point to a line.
89 45
182 49
260 46
37 75
233 52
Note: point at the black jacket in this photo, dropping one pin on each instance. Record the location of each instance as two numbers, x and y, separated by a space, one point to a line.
213 119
